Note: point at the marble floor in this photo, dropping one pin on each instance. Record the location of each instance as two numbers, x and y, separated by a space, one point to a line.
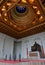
42 62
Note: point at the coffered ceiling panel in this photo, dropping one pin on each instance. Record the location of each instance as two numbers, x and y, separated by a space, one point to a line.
20 18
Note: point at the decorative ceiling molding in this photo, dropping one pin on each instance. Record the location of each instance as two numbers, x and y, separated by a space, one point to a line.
21 18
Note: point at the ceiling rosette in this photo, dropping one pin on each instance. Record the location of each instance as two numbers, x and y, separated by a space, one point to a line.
22 13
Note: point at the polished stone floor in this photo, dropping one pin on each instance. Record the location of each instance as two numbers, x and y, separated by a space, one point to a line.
33 62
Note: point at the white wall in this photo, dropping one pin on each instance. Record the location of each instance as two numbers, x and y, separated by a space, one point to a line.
18 50
27 42
6 45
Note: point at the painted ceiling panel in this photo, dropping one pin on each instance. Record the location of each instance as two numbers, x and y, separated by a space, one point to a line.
22 18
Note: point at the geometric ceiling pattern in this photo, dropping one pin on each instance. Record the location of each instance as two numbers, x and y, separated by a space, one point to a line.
20 18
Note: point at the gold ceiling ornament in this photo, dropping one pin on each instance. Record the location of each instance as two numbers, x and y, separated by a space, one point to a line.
5 14
31 1
24 1
5 19
19 10
18 23
35 7
8 4
38 12
19 18
41 19
3 8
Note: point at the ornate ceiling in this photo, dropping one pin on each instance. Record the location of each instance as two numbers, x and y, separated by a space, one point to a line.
20 18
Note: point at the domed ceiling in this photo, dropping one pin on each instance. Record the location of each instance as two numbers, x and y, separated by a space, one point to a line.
20 18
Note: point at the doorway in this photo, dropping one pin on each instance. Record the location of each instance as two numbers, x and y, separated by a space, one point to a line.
17 49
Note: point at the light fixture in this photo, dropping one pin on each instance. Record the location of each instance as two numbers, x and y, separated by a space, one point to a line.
35 7
31 1
41 18
3 8
5 19
8 4
24 1
38 12
5 14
